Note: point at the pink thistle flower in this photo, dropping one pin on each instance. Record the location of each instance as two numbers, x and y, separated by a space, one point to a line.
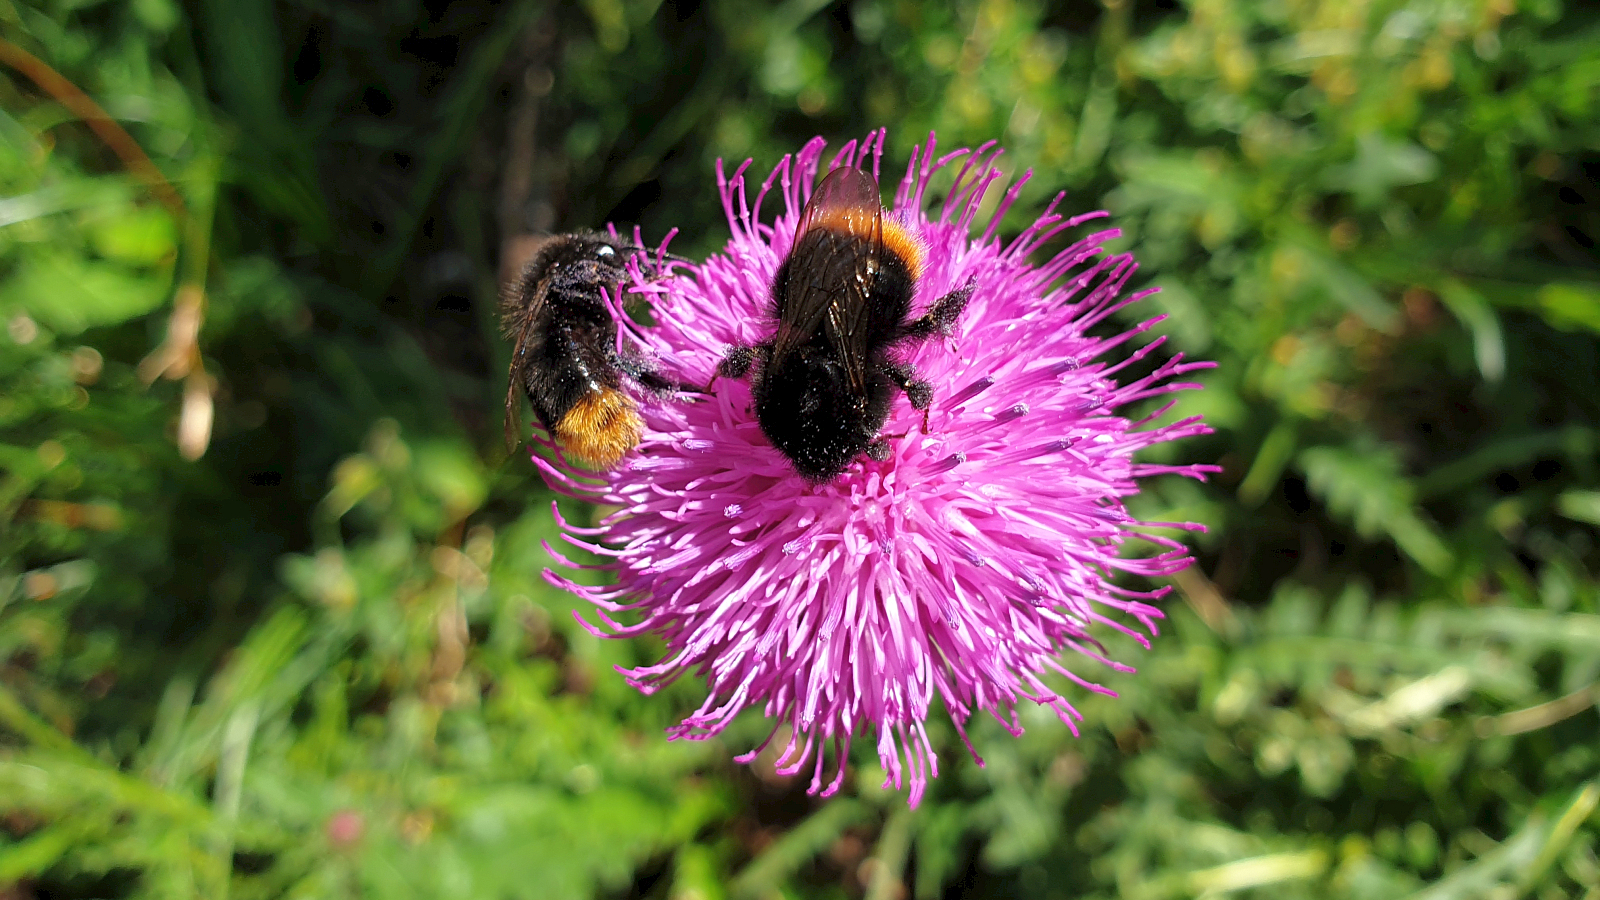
960 567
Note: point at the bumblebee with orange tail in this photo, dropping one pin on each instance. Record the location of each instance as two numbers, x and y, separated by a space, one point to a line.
842 300
564 355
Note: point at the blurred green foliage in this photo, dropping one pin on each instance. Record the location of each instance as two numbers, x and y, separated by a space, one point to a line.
271 620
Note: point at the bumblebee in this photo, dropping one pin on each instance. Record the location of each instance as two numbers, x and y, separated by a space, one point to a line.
842 305
564 355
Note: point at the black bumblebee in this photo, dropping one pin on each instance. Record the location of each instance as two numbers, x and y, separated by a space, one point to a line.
564 354
842 300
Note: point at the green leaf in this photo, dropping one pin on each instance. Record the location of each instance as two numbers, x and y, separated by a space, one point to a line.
69 293
798 846
35 854
140 236
1382 164
1581 506
1572 306
1474 311
1367 488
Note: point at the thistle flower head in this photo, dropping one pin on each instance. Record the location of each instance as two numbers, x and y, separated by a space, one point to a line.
961 567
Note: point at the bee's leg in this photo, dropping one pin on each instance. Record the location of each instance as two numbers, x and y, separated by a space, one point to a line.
942 315
737 362
657 383
641 372
919 392
637 370
939 319
879 450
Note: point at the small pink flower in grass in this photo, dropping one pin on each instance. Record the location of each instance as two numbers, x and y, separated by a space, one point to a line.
960 568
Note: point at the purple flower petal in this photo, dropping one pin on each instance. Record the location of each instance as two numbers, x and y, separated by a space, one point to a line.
960 568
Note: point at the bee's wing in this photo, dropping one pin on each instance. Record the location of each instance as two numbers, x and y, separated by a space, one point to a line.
520 305
851 310
831 285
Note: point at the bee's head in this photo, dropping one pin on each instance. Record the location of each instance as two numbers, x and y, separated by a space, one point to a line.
590 256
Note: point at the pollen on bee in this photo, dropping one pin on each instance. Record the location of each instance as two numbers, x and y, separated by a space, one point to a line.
600 428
